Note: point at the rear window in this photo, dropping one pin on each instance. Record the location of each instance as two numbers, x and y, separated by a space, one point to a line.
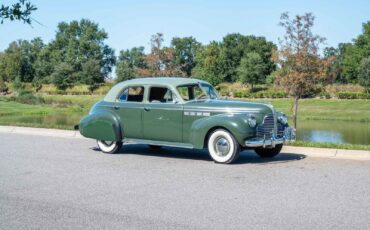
133 94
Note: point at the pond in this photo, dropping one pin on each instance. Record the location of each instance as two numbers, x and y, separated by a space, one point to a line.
337 132
329 131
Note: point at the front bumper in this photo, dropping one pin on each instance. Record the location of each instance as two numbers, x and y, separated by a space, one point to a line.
289 136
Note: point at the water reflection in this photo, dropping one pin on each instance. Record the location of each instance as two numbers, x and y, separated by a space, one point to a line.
338 132
320 136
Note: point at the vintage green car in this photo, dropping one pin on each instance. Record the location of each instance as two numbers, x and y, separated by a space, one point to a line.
184 112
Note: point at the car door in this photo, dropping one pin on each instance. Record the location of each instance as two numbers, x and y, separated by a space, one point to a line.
129 107
162 115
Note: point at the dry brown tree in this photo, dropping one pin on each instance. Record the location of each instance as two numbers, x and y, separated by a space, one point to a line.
300 65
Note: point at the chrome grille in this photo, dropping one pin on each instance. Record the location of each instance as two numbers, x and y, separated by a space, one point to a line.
265 130
280 130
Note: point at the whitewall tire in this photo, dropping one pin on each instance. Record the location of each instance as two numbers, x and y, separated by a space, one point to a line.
223 147
109 146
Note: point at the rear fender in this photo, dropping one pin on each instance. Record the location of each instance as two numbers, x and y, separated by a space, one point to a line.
101 125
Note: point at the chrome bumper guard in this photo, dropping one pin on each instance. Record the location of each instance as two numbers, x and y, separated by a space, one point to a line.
289 136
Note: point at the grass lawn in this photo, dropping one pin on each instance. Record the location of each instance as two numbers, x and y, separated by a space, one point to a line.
325 109
331 145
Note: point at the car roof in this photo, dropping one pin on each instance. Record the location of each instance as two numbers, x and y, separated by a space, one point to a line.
168 81
174 81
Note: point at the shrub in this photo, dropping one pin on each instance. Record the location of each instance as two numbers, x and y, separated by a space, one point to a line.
352 95
364 74
3 87
26 97
63 76
364 95
324 95
334 89
238 94
261 94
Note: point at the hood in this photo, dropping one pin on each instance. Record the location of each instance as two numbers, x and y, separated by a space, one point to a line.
230 106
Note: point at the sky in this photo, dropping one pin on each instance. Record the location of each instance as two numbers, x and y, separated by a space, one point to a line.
131 23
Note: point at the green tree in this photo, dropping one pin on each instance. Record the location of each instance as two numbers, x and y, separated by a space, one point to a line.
124 72
11 63
335 57
209 64
91 74
355 52
3 87
227 55
251 69
364 73
21 10
129 63
63 76
79 41
236 46
184 51
18 60
44 66
134 57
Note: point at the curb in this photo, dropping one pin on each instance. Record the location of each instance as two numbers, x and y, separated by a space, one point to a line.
328 153
307 151
41 131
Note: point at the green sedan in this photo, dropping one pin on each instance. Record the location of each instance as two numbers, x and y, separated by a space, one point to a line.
187 113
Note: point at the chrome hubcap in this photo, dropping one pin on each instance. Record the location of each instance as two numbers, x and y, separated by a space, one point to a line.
222 147
108 143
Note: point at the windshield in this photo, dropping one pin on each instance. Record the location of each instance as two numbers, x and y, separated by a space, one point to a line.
196 92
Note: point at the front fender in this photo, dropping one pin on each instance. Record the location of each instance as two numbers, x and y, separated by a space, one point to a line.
237 124
101 125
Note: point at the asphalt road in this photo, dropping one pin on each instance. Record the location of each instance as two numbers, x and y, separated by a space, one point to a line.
65 183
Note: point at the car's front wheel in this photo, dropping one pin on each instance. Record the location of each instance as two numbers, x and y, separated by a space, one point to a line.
109 146
269 152
223 147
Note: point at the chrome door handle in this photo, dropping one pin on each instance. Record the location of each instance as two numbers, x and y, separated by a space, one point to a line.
146 109
116 107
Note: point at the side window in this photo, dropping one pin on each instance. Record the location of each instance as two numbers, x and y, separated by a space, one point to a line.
133 94
161 95
184 92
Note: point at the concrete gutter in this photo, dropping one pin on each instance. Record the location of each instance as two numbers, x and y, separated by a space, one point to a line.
307 151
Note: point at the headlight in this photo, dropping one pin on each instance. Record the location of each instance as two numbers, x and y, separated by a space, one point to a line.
283 119
252 121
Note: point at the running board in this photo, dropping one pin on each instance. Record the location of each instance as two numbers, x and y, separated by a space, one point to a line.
160 143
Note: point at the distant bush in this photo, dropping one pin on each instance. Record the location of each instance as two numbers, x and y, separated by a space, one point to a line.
352 95
27 97
261 94
3 87
334 89
75 90
324 95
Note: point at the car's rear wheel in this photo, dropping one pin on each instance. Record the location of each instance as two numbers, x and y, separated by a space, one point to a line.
223 147
269 152
109 146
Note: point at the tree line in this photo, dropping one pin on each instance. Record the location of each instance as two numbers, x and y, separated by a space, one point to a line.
78 54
